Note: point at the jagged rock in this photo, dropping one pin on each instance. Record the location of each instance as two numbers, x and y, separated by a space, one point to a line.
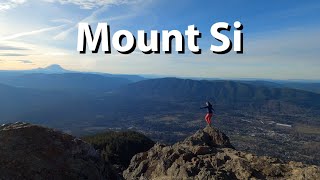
209 136
34 152
208 154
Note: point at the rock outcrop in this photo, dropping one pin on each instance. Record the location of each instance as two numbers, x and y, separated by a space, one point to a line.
34 152
208 154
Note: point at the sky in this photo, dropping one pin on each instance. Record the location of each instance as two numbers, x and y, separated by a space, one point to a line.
281 38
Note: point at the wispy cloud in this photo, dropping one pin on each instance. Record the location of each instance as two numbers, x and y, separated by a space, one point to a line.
20 61
9 4
25 61
64 21
12 54
23 34
90 4
83 4
5 48
92 18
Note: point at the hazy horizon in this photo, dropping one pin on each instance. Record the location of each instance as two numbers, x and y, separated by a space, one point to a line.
168 76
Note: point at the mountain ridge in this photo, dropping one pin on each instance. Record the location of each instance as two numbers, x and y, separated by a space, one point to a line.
58 69
219 91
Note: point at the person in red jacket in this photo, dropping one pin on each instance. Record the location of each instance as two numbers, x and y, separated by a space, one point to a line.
209 114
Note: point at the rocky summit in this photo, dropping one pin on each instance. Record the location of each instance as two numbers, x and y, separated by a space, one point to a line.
208 154
34 152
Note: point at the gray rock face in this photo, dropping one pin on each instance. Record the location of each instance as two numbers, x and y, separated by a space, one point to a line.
33 152
208 154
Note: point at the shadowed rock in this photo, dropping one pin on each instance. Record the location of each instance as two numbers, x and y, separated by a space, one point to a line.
34 152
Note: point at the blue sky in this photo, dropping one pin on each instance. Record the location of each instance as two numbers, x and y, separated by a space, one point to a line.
281 38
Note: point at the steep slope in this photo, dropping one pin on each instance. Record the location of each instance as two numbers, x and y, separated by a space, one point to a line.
220 91
313 87
208 154
305 86
34 152
119 147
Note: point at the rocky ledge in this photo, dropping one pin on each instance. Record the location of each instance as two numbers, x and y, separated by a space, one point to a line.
208 154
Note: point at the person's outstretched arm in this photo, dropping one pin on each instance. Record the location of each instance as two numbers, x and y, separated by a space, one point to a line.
204 107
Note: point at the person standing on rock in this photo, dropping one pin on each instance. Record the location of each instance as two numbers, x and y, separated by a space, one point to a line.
209 114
